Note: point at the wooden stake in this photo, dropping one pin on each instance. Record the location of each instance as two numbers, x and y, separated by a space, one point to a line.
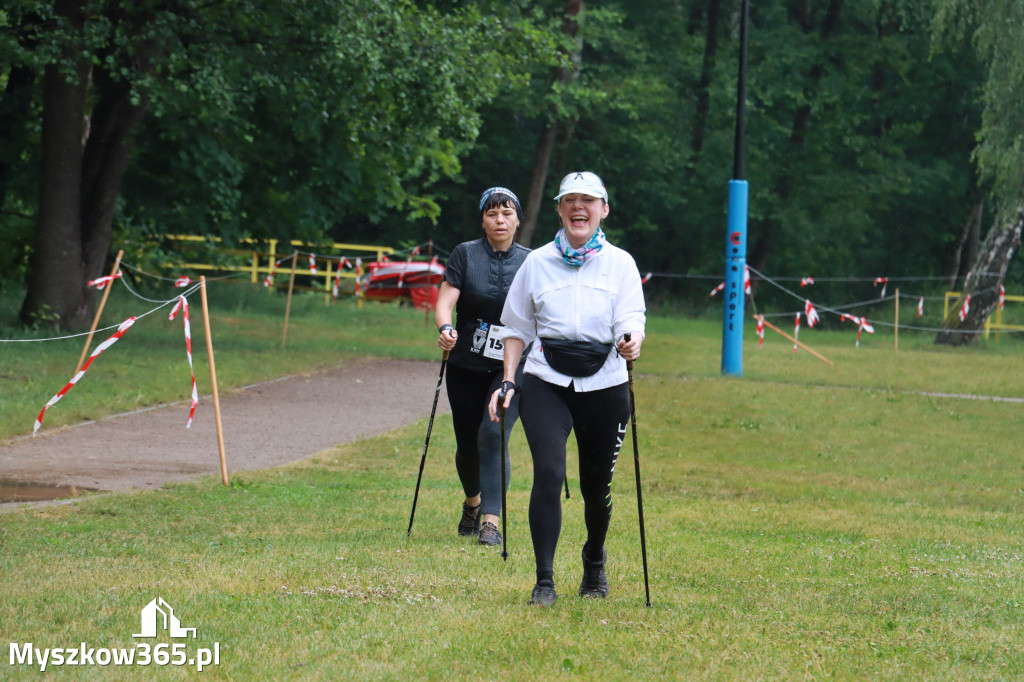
288 305
99 311
213 380
793 339
896 327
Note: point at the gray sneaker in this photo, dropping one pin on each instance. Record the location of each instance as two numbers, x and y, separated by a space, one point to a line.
595 582
489 534
543 593
469 524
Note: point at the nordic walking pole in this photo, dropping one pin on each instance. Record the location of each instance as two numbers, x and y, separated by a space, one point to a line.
99 310
636 464
426 444
567 486
504 515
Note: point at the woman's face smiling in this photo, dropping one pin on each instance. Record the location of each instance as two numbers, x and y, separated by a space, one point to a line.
500 225
581 215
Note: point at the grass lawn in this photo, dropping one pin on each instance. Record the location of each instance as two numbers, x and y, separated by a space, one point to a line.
803 521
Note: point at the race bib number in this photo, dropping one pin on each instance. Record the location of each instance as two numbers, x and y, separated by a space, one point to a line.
493 347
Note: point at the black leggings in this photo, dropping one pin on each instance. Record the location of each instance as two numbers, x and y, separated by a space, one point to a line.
477 444
599 419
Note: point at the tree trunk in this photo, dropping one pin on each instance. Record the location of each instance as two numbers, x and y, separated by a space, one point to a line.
968 238
546 143
55 280
538 179
107 154
983 284
700 119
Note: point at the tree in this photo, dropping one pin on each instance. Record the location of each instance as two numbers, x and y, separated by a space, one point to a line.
254 111
995 28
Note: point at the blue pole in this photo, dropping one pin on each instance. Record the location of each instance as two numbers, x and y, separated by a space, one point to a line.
735 267
736 225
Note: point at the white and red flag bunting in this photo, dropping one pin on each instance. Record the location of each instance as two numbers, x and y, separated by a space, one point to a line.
810 313
883 281
312 264
806 281
124 326
714 291
101 282
1002 296
646 278
760 330
966 308
920 307
182 282
796 332
182 305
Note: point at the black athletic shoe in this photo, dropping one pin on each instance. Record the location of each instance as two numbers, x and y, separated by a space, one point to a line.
543 593
489 534
595 582
470 522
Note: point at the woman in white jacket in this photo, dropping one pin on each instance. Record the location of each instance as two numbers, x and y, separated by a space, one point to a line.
578 297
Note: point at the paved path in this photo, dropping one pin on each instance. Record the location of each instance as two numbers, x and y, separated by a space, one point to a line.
264 425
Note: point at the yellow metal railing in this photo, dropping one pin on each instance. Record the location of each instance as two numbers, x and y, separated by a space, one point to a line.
953 297
272 250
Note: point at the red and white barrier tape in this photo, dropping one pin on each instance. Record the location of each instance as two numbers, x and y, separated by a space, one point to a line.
1002 296
884 281
920 307
806 281
269 279
182 304
182 282
810 313
124 326
101 282
312 264
862 325
796 332
966 308
714 291
760 330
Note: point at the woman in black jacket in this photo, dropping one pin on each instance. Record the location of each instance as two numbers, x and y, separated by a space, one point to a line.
476 282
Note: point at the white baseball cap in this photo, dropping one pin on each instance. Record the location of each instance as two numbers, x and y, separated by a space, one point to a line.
582 182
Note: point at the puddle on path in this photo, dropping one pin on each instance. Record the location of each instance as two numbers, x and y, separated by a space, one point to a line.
17 491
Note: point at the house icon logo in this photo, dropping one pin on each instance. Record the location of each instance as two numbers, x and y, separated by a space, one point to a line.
157 614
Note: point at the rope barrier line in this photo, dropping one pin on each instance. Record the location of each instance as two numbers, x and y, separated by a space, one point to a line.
836 310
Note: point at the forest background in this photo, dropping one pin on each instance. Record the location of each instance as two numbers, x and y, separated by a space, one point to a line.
883 137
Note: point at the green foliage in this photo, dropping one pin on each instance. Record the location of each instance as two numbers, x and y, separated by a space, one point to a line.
993 28
381 120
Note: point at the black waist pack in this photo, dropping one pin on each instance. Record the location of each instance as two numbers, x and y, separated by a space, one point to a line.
575 358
